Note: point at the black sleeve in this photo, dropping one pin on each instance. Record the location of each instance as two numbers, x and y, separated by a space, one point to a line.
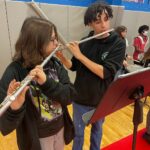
75 64
10 119
61 91
114 60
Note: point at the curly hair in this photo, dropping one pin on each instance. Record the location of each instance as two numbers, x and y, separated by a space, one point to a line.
95 10
143 28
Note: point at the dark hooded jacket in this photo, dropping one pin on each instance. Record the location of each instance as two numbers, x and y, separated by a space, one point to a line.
24 119
108 52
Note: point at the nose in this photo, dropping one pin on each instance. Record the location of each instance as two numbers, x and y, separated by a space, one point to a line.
103 23
56 42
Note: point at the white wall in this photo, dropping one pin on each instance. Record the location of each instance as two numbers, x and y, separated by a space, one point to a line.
5 51
132 20
69 22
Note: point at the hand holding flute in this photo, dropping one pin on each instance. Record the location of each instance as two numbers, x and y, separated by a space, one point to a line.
37 74
15 105
75 50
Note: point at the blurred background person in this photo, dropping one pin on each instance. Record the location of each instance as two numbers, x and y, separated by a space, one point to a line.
122 32
140 43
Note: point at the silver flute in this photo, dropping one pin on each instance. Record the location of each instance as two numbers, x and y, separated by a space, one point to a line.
87 39
95 36
10 98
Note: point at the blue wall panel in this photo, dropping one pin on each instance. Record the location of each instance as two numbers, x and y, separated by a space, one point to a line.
128 5
65 2
137 6
115 2
76 2
68 2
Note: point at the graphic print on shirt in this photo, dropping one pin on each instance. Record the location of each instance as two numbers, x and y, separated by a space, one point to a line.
49 109
104 55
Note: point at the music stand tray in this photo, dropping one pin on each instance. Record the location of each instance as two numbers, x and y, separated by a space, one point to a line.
127 89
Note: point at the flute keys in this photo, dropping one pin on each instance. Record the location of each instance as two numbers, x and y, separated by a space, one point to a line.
12 98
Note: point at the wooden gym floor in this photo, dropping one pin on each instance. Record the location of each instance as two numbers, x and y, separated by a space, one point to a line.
116 126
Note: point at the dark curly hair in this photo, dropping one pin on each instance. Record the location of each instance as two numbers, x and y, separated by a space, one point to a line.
143 28
95 10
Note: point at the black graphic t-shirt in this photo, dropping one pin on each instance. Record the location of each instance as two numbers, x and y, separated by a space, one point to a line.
49 112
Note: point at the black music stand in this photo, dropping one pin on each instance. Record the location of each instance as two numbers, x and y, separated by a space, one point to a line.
128 88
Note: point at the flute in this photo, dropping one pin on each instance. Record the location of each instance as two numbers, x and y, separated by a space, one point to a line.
10 98
95 36
89 38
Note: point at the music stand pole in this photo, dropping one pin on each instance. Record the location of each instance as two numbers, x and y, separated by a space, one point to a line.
138 112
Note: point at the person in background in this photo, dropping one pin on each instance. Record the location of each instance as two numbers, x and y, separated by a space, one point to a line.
39 113
140 43
96 63
122 32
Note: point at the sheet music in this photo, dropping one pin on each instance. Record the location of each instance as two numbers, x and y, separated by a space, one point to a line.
134 71
134 67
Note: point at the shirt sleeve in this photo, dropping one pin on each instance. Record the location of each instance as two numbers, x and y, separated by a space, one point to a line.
75 64
114 60
10 119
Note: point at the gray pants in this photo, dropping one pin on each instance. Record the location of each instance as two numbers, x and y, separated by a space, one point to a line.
55 142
